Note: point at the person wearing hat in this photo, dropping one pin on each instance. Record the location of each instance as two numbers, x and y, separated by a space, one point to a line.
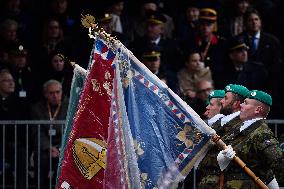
209 44
154 36
22 72
214 106
151 58
211 175
105 21
241 70
255 144
188 20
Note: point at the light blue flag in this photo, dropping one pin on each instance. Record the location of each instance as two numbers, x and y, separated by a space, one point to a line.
79 76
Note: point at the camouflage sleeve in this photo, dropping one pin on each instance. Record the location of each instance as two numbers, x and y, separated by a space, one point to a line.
267 145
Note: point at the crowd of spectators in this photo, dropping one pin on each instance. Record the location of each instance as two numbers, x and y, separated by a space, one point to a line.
189 44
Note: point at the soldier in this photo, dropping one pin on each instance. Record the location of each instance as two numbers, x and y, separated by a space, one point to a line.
214 106
151 58
154 35
211 176
255 145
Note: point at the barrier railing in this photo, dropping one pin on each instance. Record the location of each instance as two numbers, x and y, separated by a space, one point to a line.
26 163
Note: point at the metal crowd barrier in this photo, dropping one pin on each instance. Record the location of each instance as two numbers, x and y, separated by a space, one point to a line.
21 170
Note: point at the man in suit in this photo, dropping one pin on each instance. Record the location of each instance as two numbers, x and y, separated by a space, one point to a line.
242 71
266 49
255 144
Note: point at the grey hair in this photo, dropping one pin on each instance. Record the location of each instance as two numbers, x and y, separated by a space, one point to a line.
50 82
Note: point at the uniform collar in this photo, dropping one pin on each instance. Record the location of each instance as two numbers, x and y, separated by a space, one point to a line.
229 117
213 41
248 123
215 118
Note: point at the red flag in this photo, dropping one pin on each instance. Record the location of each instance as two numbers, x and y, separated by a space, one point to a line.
85 155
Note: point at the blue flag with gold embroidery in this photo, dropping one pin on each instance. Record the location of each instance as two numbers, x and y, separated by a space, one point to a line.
168 137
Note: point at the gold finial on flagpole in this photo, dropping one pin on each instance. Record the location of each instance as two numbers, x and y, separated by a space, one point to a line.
89 21
72 63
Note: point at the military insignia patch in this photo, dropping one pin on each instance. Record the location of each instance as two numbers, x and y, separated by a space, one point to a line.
253 93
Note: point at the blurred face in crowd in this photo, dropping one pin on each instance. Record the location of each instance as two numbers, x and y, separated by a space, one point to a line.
213 108
229 104
242 6
203 90
7 83
253 23
53 29
107 26
18 61
13 5
117 8
154 31
193 63
59 6
239 56
206 28
57 62
10 32
251 109
53 94
149 7
153 65
192 14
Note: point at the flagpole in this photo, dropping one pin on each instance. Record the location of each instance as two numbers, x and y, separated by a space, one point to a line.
217 139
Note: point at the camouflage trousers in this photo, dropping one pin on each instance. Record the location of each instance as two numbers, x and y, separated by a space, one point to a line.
212 182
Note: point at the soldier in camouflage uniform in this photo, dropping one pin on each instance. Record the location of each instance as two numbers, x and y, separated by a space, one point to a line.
255 144
208 169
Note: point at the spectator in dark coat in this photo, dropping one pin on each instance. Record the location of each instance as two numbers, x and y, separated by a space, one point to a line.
265 48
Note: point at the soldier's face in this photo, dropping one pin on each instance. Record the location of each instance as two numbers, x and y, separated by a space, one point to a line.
154 65
239 56
249 109
206 28
227 104
213 108
154 30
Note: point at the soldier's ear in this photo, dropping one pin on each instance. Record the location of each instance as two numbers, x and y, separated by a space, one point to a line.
259 110
237 104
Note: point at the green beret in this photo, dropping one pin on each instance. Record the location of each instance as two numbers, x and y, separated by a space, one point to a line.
261 96
237 89
216 94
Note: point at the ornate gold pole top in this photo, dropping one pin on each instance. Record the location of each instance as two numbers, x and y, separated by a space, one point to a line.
88 21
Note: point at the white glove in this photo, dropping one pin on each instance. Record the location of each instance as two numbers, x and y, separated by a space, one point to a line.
273 184
225 156
229 152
